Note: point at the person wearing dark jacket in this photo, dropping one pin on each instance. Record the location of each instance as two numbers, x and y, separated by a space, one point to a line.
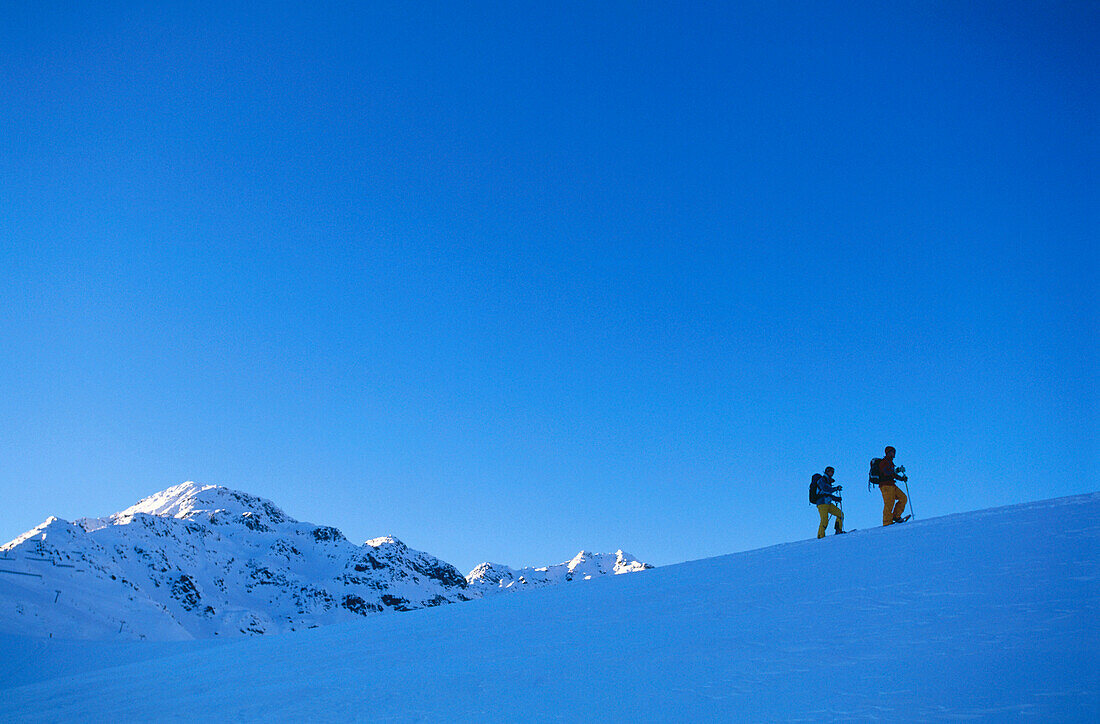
825 500
893 500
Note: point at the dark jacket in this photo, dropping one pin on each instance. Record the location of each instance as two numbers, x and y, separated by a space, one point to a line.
887 473
825 490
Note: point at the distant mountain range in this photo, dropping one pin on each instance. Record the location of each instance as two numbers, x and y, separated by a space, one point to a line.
495 578
196 561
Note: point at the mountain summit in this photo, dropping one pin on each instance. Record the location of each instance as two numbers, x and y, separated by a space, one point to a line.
193 501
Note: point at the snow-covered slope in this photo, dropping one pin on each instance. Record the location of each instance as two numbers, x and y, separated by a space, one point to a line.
990 615
196 561
490 578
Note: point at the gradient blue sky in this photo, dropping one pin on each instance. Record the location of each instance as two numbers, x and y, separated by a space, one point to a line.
511 281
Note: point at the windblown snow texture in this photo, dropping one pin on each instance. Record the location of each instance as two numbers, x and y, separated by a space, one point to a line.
990 615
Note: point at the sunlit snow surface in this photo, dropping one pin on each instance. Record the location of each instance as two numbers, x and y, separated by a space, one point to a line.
990 615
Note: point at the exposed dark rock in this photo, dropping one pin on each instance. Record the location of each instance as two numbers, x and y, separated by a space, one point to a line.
327 533
185 591
395 602
253 522
356 604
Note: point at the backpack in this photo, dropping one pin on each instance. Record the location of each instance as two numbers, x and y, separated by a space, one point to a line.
873 476
815 493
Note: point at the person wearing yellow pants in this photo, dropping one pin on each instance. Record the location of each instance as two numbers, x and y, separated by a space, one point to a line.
824 501
893 503
893 500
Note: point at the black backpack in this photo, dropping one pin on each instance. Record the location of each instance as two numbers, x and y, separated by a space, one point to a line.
815 493
873 476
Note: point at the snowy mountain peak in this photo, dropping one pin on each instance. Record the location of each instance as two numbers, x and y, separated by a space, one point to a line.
386 541
51 527
587 564
176 501
191 501
491 573
579 559
626 563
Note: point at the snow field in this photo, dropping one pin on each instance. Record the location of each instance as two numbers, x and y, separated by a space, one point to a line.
989 615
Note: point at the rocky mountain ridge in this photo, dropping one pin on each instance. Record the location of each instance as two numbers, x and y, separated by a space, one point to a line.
196 561
489 578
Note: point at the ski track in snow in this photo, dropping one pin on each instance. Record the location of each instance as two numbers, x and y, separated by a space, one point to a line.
987 616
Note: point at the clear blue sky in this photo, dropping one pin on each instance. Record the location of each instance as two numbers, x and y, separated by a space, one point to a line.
513 281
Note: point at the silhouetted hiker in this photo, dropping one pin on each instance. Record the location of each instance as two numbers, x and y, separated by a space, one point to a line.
821 495
893 500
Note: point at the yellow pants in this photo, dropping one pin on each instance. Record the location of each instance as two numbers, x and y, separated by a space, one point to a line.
825 510
893 503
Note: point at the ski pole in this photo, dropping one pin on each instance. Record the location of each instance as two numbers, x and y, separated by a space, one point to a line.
908 496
